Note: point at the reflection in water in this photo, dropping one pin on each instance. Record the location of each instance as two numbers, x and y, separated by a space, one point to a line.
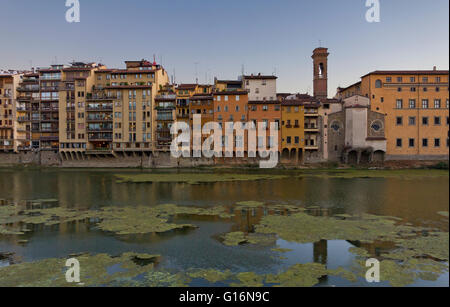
414 200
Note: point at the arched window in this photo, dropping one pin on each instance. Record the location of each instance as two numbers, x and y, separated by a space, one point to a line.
377 125
378 84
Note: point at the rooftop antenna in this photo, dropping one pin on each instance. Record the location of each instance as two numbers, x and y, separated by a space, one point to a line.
243 70
196 72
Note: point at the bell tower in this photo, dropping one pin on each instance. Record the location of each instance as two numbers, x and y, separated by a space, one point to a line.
320 61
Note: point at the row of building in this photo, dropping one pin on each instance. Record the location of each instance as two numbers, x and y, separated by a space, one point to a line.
89 109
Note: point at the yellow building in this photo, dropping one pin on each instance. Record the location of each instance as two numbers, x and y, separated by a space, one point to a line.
12 132
292 130
416 107
111 110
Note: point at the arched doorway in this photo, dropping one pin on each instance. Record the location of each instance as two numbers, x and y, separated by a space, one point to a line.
378 156
353 157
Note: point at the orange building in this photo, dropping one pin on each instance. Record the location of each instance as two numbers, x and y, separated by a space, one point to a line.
231 106
416 107
267 112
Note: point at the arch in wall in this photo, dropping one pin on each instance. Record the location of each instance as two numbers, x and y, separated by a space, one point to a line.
353 157
365 157
293 154
285 154
379 156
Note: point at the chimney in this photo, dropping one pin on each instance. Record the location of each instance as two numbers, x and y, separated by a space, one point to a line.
434 68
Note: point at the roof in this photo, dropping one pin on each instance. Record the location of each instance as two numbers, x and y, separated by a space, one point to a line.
128 87
340 89
264 102
260 77
231 93
407 72
202 97
125 71
186 86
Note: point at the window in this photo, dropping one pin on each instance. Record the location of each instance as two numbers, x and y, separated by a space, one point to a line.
413 89
238 97
388 79
265 108
425 143
382 99
288 140
438 79
425 104
437 103
399 143
399 89
226 98
297 140
399 120
437 120
412 121
412 79
437 142
412 103
378 84
425 79
411 142
437 89
446 103
376 126
399 103
399 79
425 121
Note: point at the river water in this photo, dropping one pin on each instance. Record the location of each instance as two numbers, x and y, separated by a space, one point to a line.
415 200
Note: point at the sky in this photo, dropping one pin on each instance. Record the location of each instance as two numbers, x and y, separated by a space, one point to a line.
210 38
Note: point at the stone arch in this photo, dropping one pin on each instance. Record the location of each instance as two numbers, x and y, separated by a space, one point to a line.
365 157
285 154
353 157
293 154
379 156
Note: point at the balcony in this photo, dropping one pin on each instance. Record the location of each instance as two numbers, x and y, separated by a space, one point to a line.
311 113
49 89
101 137
108 108
100 97
23 119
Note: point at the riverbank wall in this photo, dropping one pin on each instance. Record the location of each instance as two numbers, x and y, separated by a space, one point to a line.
152 160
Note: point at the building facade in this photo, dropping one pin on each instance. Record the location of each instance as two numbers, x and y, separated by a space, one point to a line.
415 104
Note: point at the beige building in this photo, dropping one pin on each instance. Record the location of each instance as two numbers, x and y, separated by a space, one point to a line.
13 134
113 109
416 107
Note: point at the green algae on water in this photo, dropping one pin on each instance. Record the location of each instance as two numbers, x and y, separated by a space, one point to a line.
299 275
192 178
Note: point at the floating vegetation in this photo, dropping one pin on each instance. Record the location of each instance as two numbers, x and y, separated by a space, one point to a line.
51 272
193 178
248 279
238 238
366 173
211 275
122 221
303 228
140 220
434 245
299 275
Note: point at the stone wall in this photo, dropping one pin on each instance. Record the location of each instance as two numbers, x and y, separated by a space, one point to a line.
336 138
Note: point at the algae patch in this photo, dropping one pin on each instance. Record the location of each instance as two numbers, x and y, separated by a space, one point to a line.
192 178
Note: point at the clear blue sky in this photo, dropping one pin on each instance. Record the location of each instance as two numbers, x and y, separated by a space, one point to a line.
221 36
